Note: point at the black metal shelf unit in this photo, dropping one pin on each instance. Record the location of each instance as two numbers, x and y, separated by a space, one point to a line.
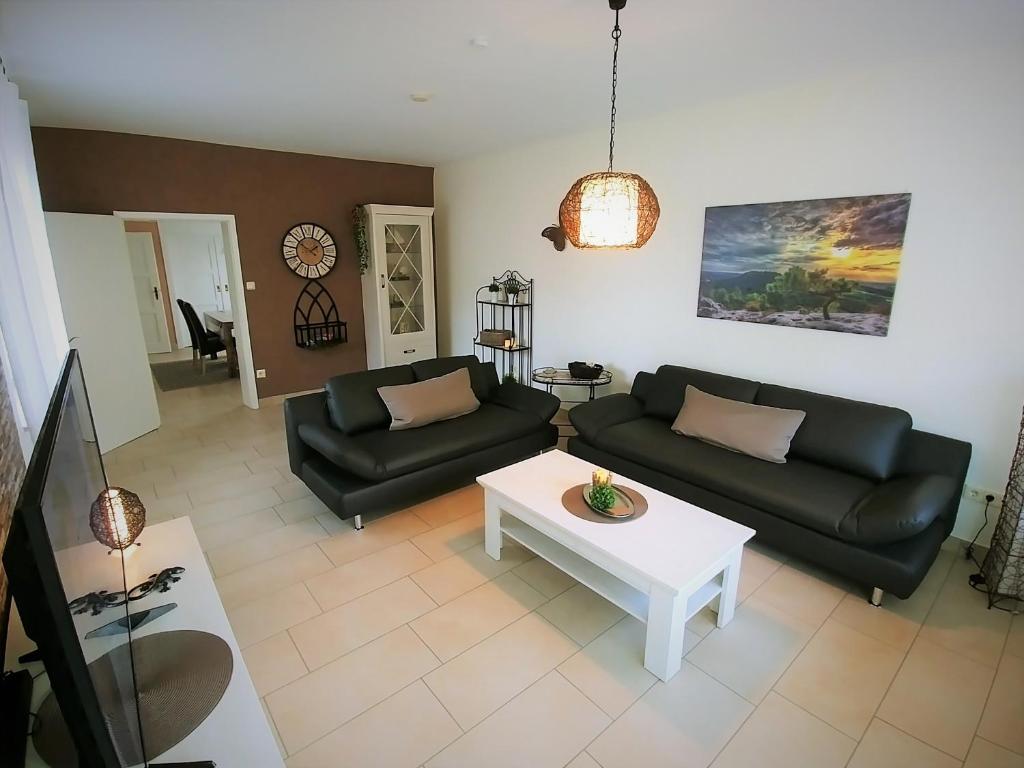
516 318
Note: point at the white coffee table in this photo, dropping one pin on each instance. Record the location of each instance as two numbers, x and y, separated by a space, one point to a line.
662 567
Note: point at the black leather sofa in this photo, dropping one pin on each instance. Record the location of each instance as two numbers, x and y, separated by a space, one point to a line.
862 492
340 446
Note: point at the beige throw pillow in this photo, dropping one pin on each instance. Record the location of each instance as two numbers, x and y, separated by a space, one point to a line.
424 402
756 430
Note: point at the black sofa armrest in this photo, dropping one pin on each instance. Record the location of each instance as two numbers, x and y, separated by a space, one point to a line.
339 449
304 409
898 509
525 399
590 418
925 453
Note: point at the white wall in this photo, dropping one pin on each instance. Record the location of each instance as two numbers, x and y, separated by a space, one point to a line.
947 130
194 259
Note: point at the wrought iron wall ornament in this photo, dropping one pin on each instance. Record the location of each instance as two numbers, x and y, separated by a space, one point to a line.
317 323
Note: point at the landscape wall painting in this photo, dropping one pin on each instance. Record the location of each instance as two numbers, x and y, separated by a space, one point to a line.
830 265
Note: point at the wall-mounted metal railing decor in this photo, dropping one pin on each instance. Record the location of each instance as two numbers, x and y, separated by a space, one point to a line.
504 324
310 252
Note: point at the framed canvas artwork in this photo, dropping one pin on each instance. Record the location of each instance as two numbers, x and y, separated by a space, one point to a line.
829 264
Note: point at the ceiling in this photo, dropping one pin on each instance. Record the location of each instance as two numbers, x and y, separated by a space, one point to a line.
334 76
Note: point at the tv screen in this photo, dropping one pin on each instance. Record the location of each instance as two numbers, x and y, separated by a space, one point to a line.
59 550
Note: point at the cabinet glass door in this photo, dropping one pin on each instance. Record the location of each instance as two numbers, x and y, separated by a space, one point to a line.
403 244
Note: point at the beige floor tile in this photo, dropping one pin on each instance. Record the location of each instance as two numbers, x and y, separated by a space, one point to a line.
465 621
779 735
158 510
351 545
751 652
255 549
255 581
273 662
301 508
137 478
583 760
333 524
222 491
273 729
452 538
187 468
276 461
703 623
1015 639
236 529
451 506
985 754
546 726
1003 720
581 613
684 722
800 594
345 628
938 697
841 676
886 747
400 732
326 698
896 621
961 621
610 670
347 582
755 570
546 578
456 575
476 683
259 619
219 511
290 490
202 478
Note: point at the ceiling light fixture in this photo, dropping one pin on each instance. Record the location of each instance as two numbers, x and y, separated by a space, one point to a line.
610 209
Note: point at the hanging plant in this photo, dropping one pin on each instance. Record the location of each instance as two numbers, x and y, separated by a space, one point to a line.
359 233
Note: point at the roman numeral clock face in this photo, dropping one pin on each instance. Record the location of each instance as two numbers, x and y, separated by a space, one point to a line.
309 250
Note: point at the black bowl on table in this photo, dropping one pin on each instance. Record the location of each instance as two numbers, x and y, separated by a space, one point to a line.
579 370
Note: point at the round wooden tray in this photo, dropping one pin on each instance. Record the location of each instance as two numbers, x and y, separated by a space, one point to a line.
574 503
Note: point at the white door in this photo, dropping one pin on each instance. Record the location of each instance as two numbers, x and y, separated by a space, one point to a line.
220 270
146 279
407 286
94 279
190 256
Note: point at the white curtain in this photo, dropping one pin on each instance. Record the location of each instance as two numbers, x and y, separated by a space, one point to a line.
31 321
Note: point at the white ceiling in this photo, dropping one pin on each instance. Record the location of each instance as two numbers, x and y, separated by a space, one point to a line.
334 76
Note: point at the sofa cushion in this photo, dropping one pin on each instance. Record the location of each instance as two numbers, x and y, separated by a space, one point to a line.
424 402
382 454
845 434
807 494
664 397
483 376
353 402
755 430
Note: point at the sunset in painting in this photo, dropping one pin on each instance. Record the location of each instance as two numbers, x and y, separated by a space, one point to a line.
827 264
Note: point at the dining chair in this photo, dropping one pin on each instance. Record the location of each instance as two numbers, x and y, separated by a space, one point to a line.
204 343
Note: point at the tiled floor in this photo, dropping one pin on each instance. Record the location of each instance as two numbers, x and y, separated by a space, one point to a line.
405 645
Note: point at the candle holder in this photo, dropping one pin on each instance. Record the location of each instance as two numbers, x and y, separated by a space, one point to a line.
601 477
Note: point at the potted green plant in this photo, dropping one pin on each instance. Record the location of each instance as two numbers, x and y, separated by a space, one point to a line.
494 289
512 289
509 378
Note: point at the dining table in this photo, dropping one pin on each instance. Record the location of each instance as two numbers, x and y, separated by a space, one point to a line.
222 322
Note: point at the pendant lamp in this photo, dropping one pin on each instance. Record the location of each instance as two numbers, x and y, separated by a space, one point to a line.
610 209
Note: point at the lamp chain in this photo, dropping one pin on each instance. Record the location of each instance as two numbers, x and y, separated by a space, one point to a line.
616 34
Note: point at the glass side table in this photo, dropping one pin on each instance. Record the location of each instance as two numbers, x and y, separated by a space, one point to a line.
560 377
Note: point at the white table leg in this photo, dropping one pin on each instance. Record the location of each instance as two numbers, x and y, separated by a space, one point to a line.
492 526
730 582
665 623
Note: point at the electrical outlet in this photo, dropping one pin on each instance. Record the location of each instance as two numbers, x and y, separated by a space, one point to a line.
979 494
250 285
261 373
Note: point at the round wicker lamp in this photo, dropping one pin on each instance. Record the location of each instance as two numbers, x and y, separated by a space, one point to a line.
117 517
610 209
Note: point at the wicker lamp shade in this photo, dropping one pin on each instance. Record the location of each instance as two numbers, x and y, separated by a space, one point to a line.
117 517
609 210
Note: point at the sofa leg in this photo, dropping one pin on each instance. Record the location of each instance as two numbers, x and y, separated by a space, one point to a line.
357 521
876 596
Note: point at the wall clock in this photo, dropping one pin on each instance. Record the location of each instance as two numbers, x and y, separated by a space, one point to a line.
309 250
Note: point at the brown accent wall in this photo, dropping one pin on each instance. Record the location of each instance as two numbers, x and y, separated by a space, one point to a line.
268 192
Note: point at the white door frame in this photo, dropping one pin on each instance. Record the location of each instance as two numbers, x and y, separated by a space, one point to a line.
246 368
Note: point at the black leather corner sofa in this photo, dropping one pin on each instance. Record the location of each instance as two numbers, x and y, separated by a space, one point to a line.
862 492
340 445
